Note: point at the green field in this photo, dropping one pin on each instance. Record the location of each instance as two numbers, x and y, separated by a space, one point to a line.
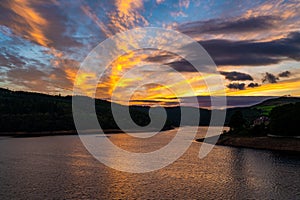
265 109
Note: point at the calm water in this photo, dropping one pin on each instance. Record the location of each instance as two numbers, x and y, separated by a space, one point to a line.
59 167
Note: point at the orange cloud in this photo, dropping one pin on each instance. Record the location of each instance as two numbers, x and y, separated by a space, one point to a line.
127 15
125 7
124 17
29 22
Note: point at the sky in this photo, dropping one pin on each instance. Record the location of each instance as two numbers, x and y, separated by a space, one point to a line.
254 44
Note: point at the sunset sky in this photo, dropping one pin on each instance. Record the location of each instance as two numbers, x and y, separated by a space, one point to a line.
255 44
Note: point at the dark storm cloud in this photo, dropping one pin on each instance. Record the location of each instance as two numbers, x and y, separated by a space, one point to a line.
236 86
239 53
221 26
285 74
269 78
227 52
236 76
253 85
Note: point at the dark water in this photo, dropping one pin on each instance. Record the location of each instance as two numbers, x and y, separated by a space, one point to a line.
59 167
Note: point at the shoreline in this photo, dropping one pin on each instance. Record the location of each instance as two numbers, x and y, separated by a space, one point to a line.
23 134
285 144
53 133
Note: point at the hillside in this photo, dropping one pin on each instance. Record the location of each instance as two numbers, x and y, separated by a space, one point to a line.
267 106
262 109
34 112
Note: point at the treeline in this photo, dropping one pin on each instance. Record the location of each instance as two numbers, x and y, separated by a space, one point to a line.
283 120
32 112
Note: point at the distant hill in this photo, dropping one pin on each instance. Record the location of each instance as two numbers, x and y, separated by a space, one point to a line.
278 101
264 108
33 112
267 106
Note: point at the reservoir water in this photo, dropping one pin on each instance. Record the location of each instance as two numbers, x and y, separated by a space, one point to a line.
59 167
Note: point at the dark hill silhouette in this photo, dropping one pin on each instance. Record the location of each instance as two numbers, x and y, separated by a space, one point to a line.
34 112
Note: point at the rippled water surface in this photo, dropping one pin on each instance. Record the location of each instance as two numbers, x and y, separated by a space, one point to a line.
59 167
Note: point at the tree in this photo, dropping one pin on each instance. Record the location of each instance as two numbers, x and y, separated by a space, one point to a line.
237 121
285 120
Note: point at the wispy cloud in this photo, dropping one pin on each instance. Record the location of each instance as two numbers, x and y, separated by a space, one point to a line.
230 26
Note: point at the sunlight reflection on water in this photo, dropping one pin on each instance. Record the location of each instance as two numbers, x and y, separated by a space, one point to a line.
59 167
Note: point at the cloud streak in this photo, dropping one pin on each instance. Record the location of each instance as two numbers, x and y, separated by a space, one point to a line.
239 53
228 52
264 22
229 26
